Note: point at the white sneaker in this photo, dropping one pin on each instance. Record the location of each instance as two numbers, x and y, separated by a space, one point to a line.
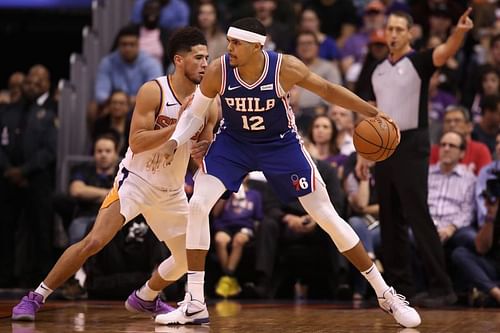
399 308
190 311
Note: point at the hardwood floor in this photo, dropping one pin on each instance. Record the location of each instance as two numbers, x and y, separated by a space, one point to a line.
229 317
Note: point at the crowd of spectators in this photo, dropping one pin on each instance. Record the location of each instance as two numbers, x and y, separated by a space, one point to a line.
285 252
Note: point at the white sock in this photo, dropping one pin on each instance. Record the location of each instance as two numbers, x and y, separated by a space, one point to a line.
44 291
196 281
146 293
376 280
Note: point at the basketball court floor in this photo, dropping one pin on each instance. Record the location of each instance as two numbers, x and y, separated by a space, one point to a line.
232 317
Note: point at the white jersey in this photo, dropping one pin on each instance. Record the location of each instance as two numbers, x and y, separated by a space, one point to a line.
150 165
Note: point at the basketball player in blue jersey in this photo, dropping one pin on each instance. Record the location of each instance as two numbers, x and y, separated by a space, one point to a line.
145 183
258 133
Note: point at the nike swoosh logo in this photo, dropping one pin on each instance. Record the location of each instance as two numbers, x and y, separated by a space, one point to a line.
189 314
371 269
171 104
282 135
232 88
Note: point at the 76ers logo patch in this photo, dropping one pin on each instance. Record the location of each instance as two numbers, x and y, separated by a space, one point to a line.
299 183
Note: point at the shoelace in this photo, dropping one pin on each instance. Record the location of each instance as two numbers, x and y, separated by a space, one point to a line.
400 299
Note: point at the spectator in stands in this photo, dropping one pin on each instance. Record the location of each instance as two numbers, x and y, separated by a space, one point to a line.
489 84
287 232
488 127
355 47
153 38
323 134
344 119
125 69
358 77
27 158
174 13
451 193
490 171
15 86
480 267
278 36
439 100
476 154
234 226
338 18
309 104
364 209
125 262
90 183
309 21
117 121
485 57
206 19
46 99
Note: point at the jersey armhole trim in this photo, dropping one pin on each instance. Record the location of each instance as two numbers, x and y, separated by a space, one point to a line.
158 109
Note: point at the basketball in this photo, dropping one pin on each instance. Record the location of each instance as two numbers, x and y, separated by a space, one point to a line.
376 138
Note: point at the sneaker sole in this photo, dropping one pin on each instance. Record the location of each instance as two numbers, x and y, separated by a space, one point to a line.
199 321
23 317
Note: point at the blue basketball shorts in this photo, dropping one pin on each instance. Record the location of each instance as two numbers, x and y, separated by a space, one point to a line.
286 164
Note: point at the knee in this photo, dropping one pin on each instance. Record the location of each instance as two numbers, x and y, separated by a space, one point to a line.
222 239
199 207
459 254
240 240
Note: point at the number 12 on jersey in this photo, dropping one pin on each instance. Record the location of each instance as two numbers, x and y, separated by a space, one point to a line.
253 123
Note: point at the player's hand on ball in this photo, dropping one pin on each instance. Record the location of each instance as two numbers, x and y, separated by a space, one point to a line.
389 119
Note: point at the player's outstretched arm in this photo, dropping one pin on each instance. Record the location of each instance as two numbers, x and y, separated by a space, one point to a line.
142 134
444 51
296 72
194 116
200 147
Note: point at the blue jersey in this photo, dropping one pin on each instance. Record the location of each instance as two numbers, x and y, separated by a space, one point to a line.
258 133
258 112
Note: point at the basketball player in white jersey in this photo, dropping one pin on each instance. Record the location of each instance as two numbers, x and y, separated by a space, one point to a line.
146 183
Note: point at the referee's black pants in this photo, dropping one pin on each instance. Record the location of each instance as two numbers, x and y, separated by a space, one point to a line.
402 187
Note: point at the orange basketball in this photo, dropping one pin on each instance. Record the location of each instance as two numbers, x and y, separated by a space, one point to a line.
376 138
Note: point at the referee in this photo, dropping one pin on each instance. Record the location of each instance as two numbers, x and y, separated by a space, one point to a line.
399 85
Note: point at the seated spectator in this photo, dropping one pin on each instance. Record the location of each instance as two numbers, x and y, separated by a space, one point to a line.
323 135
117 121
477 155
355 47
489 171
451 193
125 69
206 19
174 13
90 183
290 247
307 102
125 262
234 226
480 266
439 100
489 84
487 129
363 203
344 119
309 21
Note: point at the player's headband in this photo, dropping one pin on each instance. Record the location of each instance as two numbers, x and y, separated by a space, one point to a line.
246 36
